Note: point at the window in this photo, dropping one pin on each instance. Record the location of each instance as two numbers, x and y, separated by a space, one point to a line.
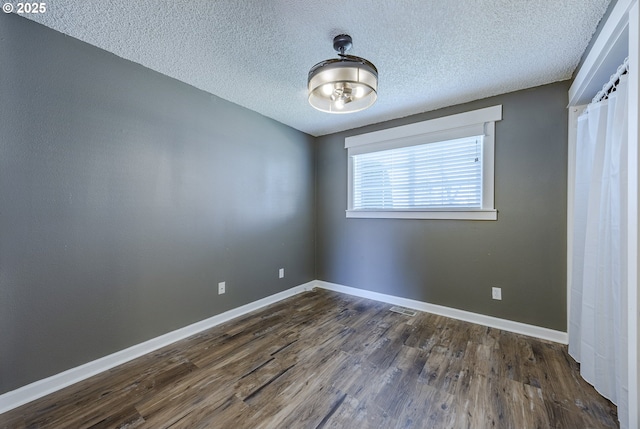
437 169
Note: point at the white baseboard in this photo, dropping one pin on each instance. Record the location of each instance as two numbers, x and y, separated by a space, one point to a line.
467 316
40 388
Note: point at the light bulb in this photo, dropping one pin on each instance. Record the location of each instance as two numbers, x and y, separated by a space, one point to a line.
359 92
339 104
327 89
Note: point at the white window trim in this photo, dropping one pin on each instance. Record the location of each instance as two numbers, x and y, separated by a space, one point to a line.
473 123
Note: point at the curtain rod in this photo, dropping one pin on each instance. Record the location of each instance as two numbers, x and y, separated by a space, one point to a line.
610 86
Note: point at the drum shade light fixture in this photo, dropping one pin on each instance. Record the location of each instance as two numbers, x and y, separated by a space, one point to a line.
343 85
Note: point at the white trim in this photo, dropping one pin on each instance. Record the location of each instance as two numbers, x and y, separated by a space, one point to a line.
488 165
611 42
479 116
467 214
467 316
633 242
574 113
56 382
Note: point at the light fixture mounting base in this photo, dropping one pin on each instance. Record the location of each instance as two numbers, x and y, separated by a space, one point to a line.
342 43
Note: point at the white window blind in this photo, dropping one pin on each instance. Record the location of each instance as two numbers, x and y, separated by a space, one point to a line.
445 174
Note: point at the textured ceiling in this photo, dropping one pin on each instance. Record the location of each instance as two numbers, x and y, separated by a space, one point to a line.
257 53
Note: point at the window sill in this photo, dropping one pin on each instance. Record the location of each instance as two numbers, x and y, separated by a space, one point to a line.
490 214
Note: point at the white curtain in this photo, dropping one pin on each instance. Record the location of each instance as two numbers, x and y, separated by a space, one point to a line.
598 311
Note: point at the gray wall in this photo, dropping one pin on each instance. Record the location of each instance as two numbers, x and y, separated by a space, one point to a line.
125 196
455 263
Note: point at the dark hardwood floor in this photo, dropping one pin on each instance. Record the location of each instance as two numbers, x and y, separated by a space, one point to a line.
327 360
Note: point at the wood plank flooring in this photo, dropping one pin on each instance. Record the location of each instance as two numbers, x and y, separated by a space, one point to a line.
327 360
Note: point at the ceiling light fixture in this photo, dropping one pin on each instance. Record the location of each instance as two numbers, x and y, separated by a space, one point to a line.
343 85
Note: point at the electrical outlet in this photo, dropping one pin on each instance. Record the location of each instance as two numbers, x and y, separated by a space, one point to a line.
281 273
222 288
496 293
